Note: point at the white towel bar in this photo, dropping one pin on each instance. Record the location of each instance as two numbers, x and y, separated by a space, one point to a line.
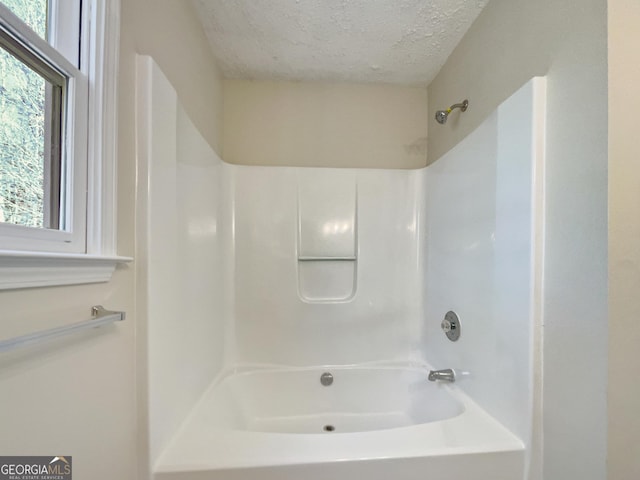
100 315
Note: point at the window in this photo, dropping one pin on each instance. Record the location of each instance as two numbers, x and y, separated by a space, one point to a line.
30 139
43 140
57 139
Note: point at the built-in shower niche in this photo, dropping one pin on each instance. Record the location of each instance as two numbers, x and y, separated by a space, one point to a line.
327 235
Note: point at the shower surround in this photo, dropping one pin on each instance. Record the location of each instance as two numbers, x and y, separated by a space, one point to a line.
260 279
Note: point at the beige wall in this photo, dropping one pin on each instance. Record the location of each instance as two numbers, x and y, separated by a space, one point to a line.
170 32
79 398
510 42
324 125
624 240
76 396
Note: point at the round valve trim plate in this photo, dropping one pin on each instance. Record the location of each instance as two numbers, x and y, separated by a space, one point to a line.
451 325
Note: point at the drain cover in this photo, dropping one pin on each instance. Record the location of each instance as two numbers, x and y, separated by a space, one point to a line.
326 379
329 428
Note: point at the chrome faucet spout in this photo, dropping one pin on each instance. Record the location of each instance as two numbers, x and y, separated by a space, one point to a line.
446 375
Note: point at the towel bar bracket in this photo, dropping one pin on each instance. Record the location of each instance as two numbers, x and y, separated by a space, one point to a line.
98 311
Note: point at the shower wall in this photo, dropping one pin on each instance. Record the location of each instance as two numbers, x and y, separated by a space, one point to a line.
379 212
567 42
237 265
182 242
484 231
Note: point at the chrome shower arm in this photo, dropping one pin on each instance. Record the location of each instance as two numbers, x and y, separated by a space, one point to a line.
462 106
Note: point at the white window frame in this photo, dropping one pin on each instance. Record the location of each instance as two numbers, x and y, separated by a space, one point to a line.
31 257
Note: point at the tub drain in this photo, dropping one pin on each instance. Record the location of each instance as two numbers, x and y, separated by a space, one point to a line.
329 428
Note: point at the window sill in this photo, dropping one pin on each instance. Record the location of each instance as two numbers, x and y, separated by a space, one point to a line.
39 269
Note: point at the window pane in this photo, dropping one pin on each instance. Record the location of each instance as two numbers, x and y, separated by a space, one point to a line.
29 159
31 12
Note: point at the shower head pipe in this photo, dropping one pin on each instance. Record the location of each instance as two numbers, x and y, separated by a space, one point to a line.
441 115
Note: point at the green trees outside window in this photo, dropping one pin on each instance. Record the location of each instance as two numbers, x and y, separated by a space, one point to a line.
22 128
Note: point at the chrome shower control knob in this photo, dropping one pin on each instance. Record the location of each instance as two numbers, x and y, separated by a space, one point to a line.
451 326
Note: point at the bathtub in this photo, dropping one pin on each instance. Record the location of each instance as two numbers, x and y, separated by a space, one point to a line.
374 423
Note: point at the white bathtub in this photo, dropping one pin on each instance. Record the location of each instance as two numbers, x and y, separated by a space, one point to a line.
371 423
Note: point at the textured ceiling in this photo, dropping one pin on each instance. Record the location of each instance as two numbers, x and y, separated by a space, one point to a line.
384 41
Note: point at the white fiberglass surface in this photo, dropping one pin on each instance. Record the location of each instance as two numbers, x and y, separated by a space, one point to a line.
360 301
359 399
248 265
276 417
484 222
